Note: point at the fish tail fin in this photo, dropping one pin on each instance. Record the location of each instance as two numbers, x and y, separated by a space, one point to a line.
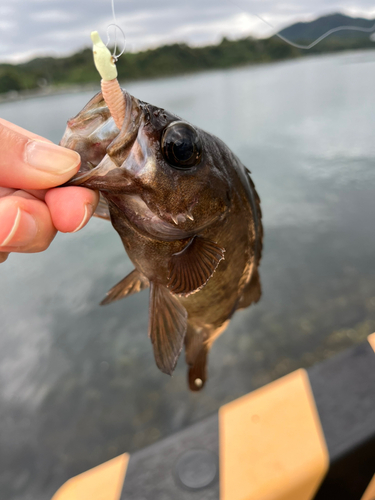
197 372
196 351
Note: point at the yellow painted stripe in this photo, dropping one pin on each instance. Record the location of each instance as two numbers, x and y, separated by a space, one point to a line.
369 494
103 482
371 339
272 444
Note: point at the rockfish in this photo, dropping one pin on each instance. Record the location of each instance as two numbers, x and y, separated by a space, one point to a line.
188 215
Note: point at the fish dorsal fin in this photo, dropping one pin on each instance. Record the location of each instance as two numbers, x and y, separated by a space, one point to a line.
133 283
251 292
190 269
167 327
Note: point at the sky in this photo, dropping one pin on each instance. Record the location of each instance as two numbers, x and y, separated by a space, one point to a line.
31 28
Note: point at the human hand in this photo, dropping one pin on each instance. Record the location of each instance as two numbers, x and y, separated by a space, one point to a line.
32 210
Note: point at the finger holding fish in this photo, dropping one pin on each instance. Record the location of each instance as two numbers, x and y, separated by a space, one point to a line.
26 224
30 214
71 208
31 162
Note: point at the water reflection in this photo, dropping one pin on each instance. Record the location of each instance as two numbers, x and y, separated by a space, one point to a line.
78 384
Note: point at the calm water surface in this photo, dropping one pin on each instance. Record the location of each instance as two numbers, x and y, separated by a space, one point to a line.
78 384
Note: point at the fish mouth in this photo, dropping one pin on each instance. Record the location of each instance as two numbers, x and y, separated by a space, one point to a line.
102 146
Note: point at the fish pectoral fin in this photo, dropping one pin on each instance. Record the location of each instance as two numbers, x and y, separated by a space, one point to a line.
251 293
167 327
133 283
190 269
102 210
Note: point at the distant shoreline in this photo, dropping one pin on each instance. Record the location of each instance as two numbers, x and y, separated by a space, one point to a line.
23 95
49 75
63 89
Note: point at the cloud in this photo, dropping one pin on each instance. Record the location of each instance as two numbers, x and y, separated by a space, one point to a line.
7 25
51 16
60 27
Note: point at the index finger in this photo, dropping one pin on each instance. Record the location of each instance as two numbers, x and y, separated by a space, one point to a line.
22 131
28 161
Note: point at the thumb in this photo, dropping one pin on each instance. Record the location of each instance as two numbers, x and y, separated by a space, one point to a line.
31 162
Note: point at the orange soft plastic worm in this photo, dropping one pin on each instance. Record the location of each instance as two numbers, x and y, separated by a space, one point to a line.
115 100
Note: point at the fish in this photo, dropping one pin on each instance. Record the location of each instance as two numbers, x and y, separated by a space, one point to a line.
188 215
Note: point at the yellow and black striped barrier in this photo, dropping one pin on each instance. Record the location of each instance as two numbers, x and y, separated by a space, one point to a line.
309 435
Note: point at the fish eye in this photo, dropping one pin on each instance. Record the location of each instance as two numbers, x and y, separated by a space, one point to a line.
181 145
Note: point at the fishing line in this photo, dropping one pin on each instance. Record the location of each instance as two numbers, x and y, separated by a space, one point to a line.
293 44
117 27
315 42
114 22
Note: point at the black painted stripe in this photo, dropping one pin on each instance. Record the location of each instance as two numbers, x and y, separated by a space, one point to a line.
344 392
155 473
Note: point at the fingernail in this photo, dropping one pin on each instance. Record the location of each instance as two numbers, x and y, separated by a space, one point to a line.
3 257
50 158
89 209
23 231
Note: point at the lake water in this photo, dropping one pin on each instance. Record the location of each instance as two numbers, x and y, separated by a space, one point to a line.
78 384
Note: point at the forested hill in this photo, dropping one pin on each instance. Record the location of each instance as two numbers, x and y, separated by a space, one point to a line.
178 58
309 31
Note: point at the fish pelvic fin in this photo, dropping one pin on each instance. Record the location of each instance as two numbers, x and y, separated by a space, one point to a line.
196 352
190 269
167 327
252 291
133 283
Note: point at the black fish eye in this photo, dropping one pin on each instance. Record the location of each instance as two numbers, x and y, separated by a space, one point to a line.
181 145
